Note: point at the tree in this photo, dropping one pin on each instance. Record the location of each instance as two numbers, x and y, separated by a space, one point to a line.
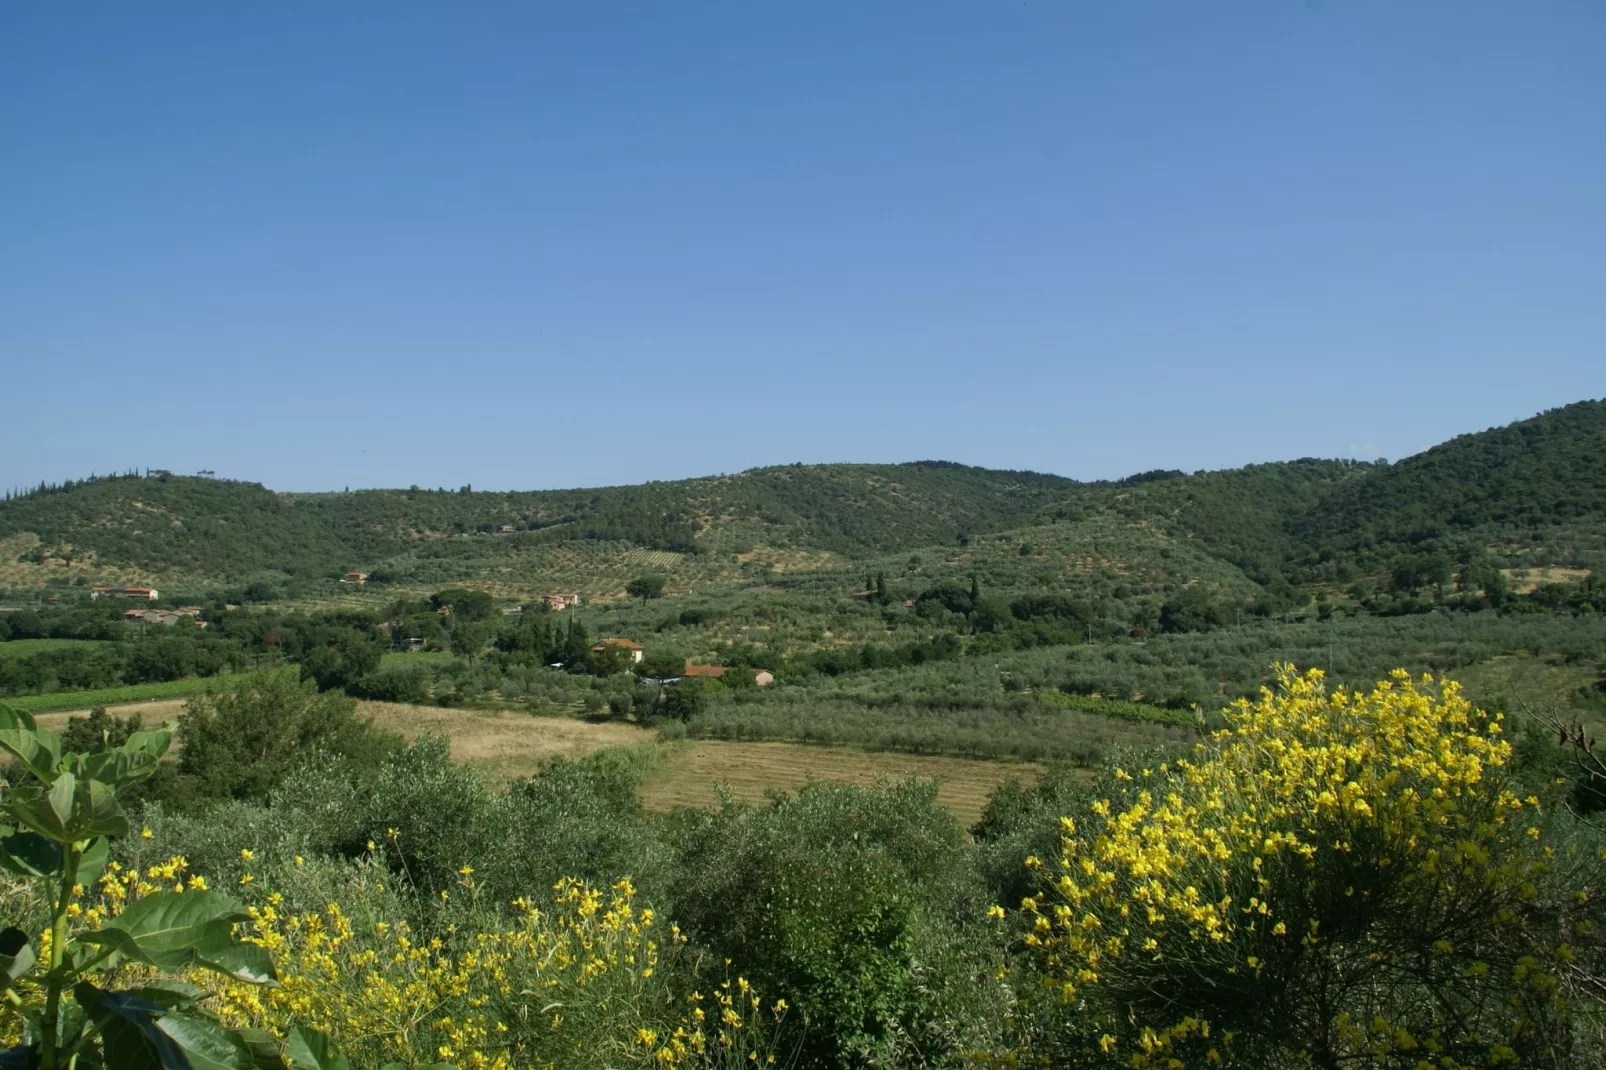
685 698
881 595
660 665
337 658
463 602
645 587
99 731
241 743
468 638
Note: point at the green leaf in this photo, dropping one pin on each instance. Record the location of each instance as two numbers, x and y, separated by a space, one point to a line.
92 861
171 930
308 1049
135 760
29 854
39 750
45 812
128 1029
16 956
96 811
169 994
219 951
206 1045
264 1049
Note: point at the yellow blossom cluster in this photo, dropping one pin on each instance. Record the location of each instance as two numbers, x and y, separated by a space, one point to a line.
548 988
1315 814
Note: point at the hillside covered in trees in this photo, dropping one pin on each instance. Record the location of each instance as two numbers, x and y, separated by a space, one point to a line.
1533 492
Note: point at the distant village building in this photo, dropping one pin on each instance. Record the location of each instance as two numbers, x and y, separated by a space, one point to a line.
356 579
148 593
623 644
504 529
761 677
562 601
677 590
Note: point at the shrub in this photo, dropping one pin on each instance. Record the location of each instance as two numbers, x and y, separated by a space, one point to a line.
1340 879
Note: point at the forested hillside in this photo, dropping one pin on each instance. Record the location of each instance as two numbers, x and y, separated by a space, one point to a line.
1536 488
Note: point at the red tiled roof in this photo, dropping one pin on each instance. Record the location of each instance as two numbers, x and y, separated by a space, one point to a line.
716 671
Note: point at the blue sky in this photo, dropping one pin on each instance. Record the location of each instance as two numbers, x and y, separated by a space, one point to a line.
535 245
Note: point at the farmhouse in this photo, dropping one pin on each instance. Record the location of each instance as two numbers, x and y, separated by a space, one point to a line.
624 644
504 529
761 677
562 601
356 579
148 593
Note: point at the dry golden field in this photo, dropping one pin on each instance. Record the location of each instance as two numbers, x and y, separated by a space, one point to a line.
503 744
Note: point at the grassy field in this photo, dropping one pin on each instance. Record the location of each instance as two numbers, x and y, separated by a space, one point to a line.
25 648
503 743
690 774
118 696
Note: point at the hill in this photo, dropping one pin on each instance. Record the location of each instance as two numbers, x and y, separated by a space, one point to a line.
223 530
1531 494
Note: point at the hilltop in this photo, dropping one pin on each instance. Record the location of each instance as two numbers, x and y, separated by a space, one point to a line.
1533 492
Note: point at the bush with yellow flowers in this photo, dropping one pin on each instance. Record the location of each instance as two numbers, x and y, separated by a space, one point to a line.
581 982
1338 879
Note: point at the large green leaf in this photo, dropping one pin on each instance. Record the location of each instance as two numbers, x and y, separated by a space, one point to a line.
135 760
32 855
45 812
169 994
96 811
28 854
16 956
264 1048
37 749
206 1045
219 951
128 1029
308 1049
171 930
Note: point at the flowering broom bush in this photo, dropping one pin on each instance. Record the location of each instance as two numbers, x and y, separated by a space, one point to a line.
579 984
1339 878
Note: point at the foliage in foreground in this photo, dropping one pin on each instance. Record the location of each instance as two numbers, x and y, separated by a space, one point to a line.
1341 879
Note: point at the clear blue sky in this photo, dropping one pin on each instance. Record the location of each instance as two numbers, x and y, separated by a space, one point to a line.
530 245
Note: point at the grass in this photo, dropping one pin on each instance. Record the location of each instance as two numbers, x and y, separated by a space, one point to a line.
691 773
27 648
504 743
117 696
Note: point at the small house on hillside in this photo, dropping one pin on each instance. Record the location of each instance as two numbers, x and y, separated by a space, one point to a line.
620 644
504 529
562 601
356 579
761 677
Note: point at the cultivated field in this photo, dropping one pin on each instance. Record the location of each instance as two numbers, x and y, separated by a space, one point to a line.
502 743
690 774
